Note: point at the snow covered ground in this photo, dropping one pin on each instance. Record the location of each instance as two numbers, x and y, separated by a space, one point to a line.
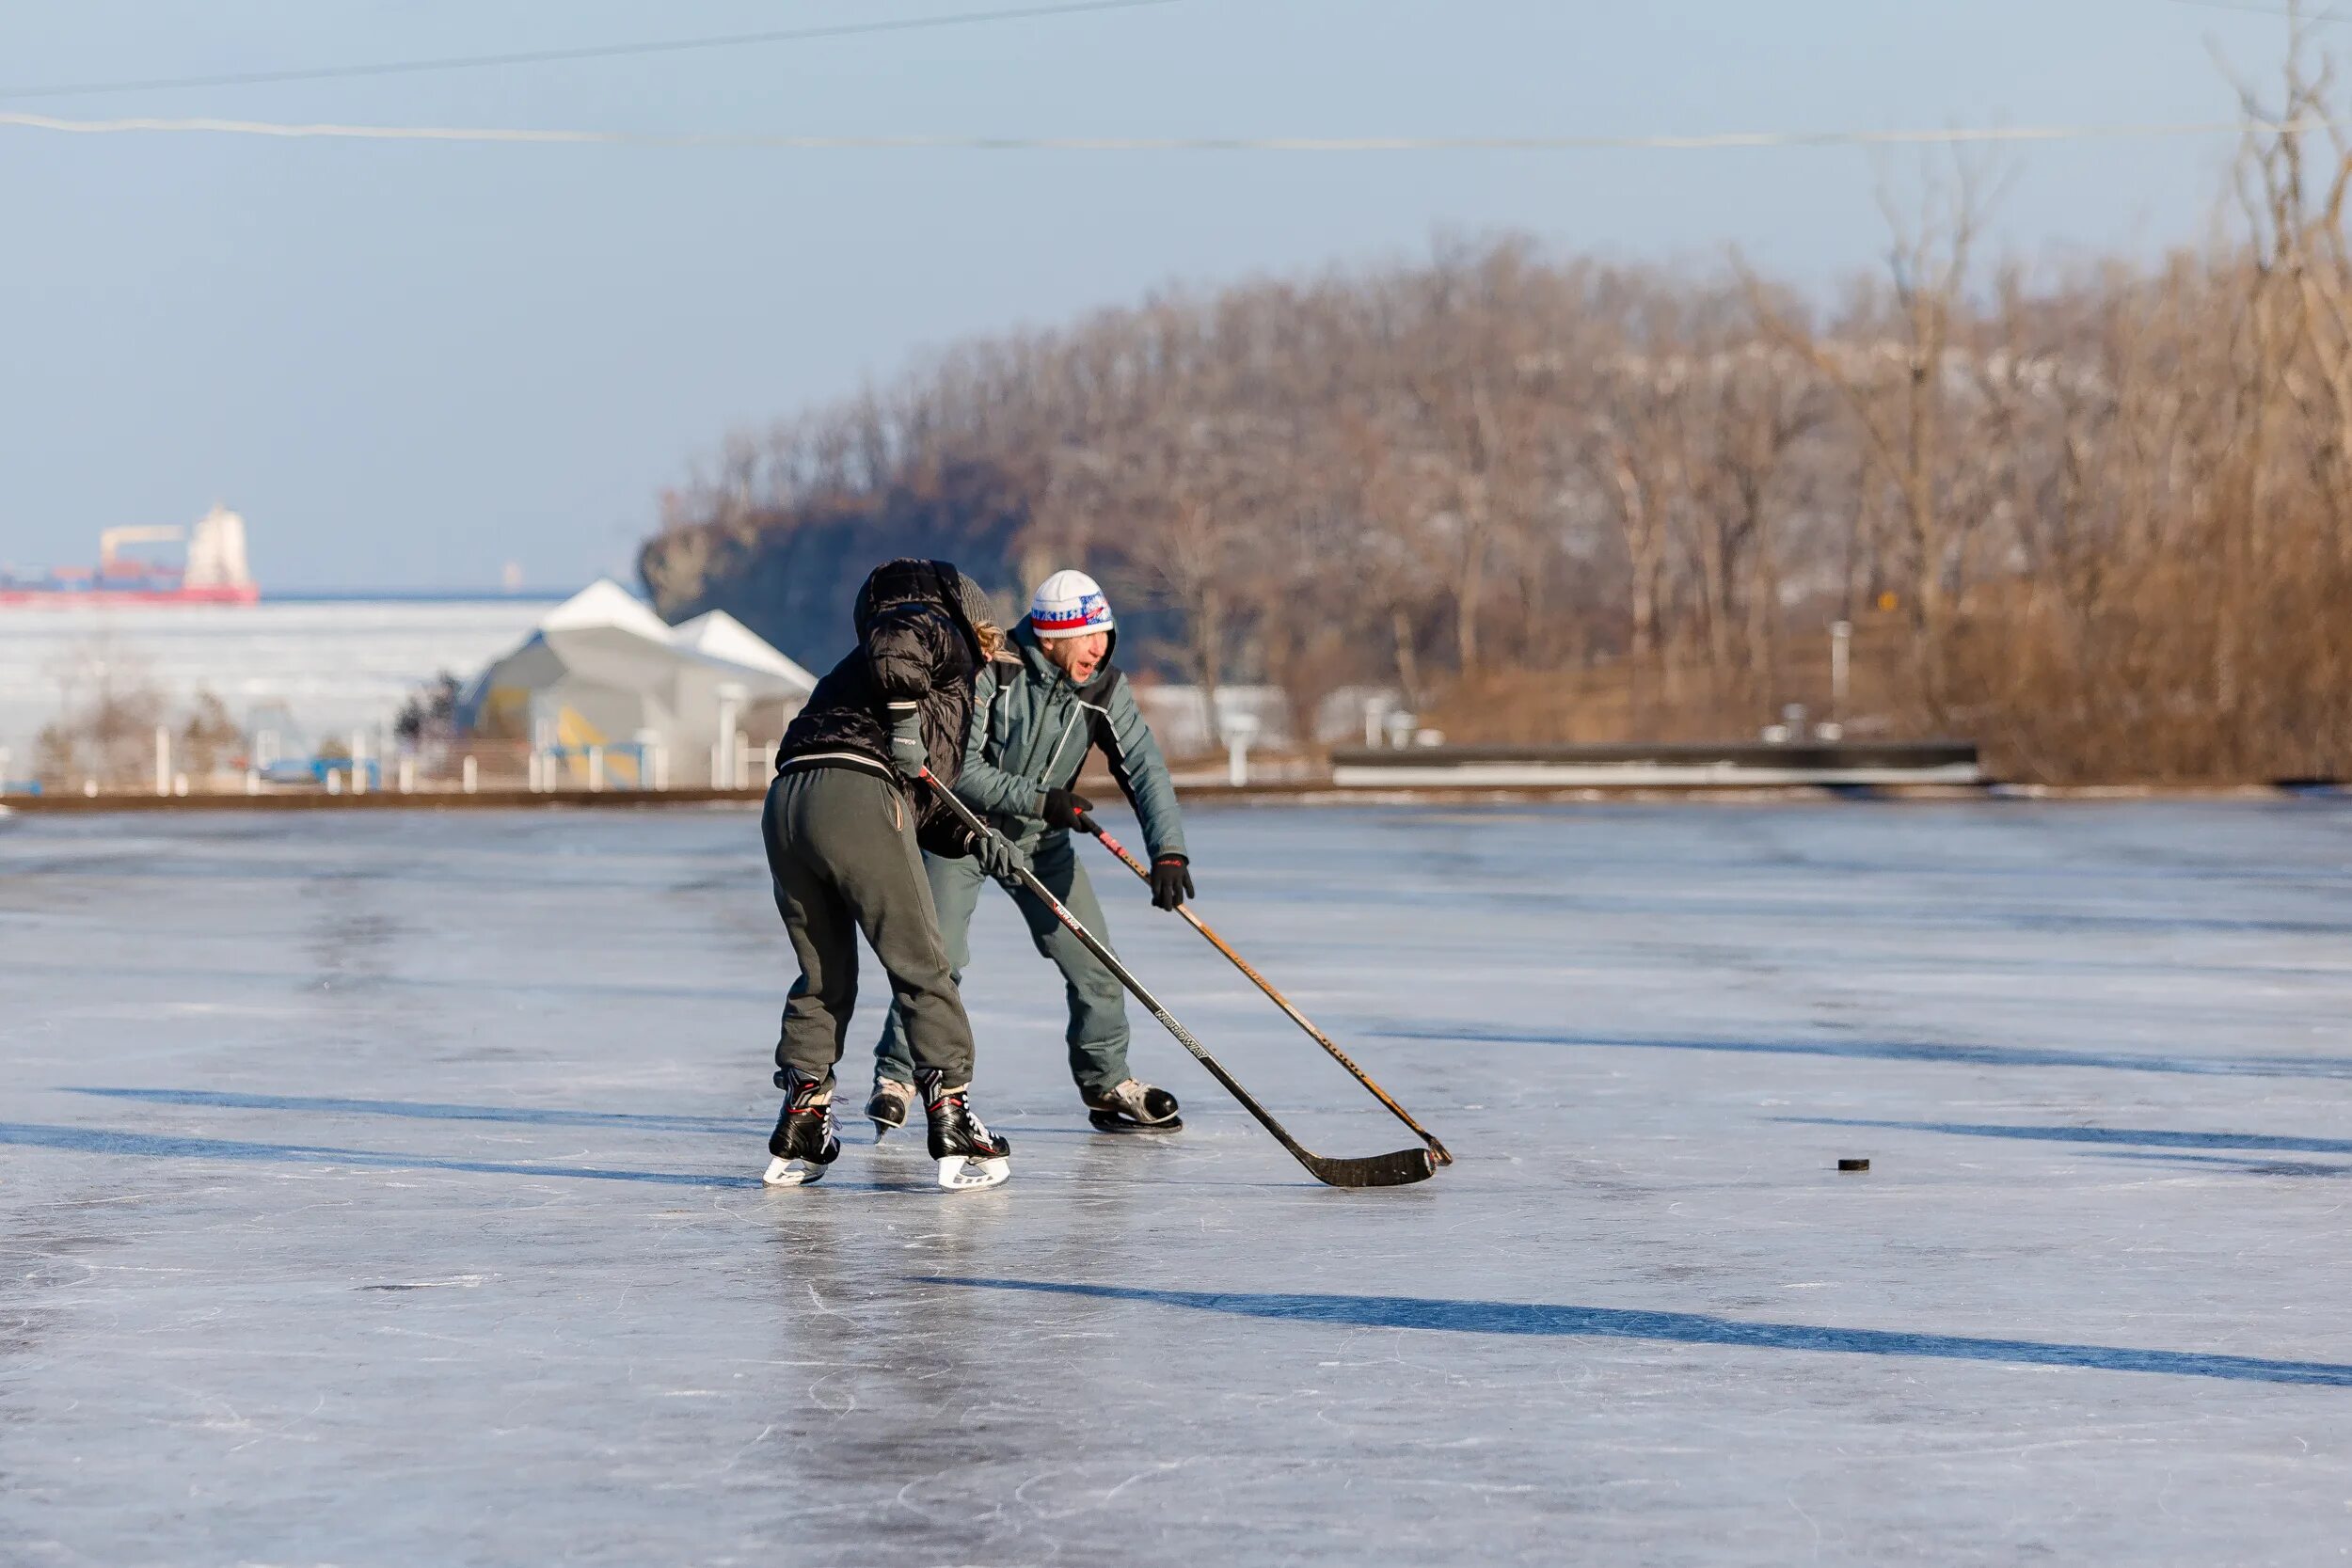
378 1189
334 665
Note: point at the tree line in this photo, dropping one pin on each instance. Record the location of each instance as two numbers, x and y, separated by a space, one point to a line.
2092 516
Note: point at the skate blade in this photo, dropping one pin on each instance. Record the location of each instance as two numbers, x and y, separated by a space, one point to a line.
958 1174
1110 1122
883 1129
792 1172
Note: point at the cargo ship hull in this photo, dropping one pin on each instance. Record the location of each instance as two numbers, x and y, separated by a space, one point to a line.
214 574
16 596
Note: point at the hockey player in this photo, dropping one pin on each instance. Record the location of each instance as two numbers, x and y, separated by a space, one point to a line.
842 824
1030 732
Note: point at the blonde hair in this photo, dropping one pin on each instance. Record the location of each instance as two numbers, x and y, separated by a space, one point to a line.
992 638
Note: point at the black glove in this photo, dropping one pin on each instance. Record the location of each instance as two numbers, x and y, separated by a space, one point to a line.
1172 882
1063 807
998 856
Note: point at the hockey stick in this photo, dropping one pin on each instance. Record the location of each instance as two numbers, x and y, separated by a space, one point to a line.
1280 1001
1376 1170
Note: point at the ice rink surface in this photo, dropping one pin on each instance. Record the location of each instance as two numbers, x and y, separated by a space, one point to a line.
379 1189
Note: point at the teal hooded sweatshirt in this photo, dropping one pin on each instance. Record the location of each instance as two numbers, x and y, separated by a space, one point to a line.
1031 730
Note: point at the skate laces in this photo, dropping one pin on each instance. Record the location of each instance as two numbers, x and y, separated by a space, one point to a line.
811 1100
953 1104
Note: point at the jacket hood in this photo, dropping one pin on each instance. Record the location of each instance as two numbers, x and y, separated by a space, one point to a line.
913 580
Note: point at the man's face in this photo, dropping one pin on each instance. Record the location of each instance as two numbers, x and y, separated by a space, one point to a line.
1079 657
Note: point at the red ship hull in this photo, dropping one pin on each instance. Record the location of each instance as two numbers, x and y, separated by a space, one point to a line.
66 598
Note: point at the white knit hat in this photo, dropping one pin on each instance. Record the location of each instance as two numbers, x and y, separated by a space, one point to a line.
1069 604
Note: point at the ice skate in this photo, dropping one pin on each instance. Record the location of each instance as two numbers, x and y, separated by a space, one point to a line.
803 1142
886 1107
1130 1105
968 1153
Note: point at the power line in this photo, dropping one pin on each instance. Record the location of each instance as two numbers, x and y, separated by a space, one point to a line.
1709 141
2251 8
592 52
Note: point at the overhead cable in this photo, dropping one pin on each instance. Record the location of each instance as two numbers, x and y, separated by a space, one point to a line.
1705 141
2252 7
589 51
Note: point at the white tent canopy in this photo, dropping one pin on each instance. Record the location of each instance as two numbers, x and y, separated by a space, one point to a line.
603 669
717 634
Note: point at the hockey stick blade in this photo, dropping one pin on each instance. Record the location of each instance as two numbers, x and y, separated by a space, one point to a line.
1400 1169
1379 1170
1119 852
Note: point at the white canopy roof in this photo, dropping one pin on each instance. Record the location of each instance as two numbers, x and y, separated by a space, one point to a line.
606 605
714 639
719 635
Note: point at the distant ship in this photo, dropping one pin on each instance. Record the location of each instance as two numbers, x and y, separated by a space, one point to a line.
214 572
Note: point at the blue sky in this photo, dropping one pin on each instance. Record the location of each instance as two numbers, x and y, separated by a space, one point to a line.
408 363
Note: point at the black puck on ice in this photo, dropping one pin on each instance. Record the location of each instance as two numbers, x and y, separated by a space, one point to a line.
1853 1165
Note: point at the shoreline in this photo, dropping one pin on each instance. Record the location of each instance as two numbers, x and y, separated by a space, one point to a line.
1309 793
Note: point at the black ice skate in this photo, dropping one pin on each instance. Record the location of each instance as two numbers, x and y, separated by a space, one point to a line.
1132 1106
803 1142
887 1108
968 1153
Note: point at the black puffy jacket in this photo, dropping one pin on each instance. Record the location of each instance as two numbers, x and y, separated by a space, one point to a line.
916 642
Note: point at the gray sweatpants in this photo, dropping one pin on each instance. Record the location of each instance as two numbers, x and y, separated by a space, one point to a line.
841 853
1097 1035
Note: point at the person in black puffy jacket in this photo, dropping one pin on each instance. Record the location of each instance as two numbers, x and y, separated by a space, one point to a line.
843 820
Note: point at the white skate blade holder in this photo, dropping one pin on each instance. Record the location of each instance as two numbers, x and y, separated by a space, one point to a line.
962 1173
792 1172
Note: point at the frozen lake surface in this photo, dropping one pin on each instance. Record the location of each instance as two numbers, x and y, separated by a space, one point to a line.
380 1190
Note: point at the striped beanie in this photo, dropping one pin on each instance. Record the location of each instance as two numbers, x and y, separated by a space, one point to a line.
1068 603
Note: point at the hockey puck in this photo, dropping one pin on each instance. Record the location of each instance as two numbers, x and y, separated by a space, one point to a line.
1853 1165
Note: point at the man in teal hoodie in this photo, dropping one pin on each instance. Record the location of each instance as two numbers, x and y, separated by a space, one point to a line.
1029 734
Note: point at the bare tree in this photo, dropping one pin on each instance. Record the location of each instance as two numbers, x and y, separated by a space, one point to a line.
1539 494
